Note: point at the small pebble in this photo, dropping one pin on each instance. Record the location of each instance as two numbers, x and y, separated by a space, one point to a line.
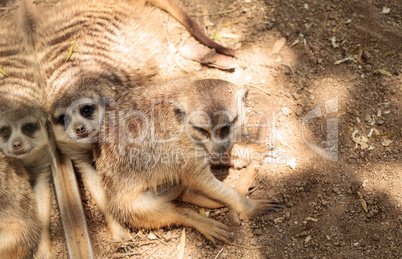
367 117
299 111
380 122
152 236
258 232
376 237
368 67
366 54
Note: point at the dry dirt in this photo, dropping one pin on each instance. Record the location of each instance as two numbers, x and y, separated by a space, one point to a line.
350 207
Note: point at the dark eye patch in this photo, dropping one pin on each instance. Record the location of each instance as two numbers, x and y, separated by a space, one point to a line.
5 132
180 114
202 131
225 130
30 128
62 120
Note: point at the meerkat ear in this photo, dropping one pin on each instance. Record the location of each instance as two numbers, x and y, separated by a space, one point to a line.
180 114
242 94
241 97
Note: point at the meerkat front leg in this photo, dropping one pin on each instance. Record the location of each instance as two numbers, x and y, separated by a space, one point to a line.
91 180
241 186
152 210
41 191
222 193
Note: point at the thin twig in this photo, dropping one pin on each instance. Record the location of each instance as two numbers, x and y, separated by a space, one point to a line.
3 72
286 65
218 253
259 88
218 13
248 247
327 48
119 241
152 252
126 254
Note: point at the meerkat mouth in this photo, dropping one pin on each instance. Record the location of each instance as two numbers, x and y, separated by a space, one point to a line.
82 136
21 152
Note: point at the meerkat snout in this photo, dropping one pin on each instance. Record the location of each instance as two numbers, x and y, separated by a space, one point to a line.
81 131
17 145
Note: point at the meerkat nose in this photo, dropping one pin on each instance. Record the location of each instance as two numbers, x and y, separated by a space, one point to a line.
17 146
80 130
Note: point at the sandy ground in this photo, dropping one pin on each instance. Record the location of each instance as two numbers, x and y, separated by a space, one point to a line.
337 129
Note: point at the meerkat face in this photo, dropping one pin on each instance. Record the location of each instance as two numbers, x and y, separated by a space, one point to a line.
79 120
211 113
22 136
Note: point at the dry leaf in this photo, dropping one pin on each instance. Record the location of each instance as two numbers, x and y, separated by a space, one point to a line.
229 35
202 212
386 10
311 219
364 204
361 140
343 60
382 72
389 53
386 142
279 220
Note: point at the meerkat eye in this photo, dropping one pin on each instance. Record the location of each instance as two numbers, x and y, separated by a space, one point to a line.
5 132
87 110
30 128
225 130
61 119
202 131
180 114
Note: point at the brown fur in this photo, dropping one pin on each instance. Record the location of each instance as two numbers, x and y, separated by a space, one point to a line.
19 225
140 192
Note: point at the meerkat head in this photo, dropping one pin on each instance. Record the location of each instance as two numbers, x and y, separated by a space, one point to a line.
77 115
211 110
23 132
78 118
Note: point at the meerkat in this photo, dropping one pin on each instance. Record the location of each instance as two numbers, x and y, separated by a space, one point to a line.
23 118
91 52
158 142
20 228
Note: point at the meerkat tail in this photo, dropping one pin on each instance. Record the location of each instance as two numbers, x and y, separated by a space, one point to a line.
171 7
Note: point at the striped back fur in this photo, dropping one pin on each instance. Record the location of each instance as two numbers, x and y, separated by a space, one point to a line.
111 41
20 80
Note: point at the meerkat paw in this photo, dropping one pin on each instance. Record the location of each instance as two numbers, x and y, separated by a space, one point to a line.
118 232
262 207
213 230
265 207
